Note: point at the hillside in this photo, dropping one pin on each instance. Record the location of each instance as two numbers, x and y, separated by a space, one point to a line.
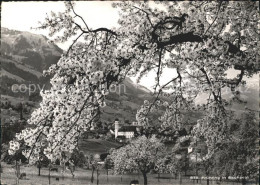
124 100
97 146
23 58
31 49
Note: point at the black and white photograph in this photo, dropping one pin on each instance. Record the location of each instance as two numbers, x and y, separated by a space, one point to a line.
130 92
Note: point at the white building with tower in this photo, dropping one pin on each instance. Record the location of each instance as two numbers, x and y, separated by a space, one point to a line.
127 131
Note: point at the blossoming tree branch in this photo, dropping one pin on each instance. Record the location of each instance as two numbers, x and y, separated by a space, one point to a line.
199 40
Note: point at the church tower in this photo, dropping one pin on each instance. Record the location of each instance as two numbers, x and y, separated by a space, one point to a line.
116 127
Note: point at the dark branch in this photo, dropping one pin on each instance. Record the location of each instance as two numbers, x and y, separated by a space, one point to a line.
159 69
184 37
209 83
104 29
74 43
214 19
79 16
147 15
159 92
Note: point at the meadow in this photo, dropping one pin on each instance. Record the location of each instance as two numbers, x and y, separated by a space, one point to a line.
83 176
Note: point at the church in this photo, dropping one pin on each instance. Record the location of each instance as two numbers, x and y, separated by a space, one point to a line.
125 131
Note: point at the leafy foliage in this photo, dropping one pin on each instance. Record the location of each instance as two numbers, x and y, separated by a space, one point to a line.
142 154
238 156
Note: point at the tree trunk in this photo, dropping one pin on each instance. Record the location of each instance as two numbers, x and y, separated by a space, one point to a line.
145 178
39 171
185 164
97 177
197 172
71 171
92 176
49 174
243 181
107 175
63 170
207 174
180 178
17 173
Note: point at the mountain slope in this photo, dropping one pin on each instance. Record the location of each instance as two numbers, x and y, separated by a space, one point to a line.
23 58
124 100
249 94
28 48
25 55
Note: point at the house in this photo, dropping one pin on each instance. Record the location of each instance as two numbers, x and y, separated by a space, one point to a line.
127 131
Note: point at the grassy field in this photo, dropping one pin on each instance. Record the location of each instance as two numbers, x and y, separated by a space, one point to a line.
96 145
83 176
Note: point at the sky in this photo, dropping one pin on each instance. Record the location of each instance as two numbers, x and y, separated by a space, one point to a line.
25 15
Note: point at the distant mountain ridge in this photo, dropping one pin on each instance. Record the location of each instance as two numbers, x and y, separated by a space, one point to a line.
29 48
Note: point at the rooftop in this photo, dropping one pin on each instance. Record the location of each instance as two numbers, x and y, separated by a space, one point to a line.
127 128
